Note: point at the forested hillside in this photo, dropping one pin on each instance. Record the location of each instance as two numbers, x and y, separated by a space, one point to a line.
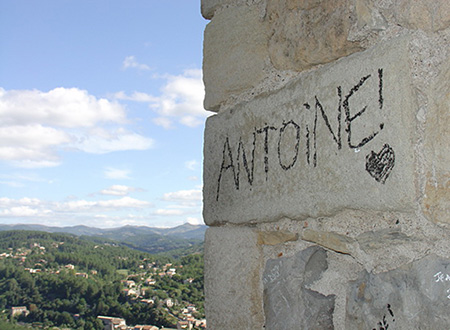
186 237
69 281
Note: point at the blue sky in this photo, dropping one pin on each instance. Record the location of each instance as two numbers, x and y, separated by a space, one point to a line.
101 117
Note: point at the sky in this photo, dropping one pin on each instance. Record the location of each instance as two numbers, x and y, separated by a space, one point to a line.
101 112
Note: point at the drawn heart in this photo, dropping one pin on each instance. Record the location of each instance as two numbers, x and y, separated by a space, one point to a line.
379 165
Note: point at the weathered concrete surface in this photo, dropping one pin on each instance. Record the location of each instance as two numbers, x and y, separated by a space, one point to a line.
233 289
415 296
307 33
339 137
234 54
288 303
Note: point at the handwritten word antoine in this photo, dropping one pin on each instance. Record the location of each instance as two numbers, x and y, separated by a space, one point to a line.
286 138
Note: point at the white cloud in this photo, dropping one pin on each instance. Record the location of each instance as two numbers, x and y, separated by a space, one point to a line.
163 122
117 174
119 190
78 211
24 207
191 165
35 126
183 204
101 141
20 211
184 198
136 97
9 202
131 62
30 144
193 195
191 121
181 100
194 221
169 212
60 107
112 204
102 213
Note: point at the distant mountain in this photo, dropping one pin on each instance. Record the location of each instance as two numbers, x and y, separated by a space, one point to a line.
75 230
148 239
186 231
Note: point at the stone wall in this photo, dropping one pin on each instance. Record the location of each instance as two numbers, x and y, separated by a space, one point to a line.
327 165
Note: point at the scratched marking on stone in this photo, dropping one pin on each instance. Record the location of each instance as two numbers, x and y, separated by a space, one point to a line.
273 275
440 277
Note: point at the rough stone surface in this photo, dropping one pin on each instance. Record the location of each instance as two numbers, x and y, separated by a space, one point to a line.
428 15
368 16
307 33
436 203
332 241
370 241
233 292
209 7
276 237
415 296
339 137
234 54
326 170
288 303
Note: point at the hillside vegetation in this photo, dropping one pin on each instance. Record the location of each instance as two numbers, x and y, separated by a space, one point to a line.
68 281
186 237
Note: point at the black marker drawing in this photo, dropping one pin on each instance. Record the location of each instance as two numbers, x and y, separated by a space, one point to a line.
282 144
384 324
349 118
265 130
380 88
379 165
296 147
227 150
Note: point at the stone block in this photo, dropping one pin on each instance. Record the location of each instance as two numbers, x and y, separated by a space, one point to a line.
307 33
234 53
233 289
436 202
368 17
415 296
208 7
276 237
340 137
428 15
330 240
288 303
